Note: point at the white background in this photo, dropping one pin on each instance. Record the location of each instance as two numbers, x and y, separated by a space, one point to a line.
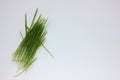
83 35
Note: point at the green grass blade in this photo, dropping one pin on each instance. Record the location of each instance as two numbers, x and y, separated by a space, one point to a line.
21 34
48 51
34 18
26 23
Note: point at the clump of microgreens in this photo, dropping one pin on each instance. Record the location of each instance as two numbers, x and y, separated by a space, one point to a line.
34 38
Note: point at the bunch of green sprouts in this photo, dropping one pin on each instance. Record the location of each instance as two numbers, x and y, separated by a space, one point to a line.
34 38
